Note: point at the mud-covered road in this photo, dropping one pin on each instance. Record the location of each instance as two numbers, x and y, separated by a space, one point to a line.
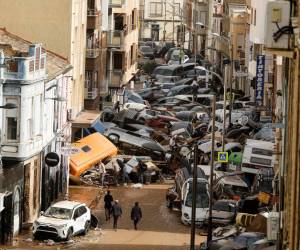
159 228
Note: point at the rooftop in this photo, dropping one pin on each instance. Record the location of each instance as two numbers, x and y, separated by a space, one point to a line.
16 46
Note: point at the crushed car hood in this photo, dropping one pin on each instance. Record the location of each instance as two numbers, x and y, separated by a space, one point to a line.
51 221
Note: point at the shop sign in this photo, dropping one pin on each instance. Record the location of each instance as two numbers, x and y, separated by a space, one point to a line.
52 159
260 78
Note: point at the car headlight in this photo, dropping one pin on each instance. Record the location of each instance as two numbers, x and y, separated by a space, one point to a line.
62 226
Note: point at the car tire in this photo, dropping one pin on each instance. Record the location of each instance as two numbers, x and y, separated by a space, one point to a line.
36 237
69 234
86 227
169 203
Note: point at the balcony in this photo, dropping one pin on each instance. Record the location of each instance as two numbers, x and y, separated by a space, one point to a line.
93 19
92 53
114 78
91 94
115 3
115 39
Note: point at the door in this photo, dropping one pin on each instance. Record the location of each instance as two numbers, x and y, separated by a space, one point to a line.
155 32
76 225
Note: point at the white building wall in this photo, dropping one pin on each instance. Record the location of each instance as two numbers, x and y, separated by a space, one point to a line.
104 11
258 17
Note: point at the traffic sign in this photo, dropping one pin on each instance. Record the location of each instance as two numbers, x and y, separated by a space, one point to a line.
70 150
222 157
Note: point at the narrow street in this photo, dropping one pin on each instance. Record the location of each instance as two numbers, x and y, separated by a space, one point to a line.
160 228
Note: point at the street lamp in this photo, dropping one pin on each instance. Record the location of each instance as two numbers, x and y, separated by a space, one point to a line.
195 178
228 40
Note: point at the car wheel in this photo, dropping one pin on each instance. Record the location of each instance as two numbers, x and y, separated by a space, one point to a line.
184 222
36 237
69 234
169 203
86 227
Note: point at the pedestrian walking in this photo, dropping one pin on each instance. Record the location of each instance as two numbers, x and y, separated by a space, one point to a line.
194 88
126 171
117 213
108 200
102 172
136 214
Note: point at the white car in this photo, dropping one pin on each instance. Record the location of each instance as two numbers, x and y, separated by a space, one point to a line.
63 220
135 106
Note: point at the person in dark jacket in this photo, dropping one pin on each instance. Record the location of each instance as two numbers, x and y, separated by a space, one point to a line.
117 212
136 214
108 199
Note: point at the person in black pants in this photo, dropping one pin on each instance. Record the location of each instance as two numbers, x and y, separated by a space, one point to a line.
117 212
108 199
136 214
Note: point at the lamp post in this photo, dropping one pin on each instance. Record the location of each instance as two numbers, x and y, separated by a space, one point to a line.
228 40
195 178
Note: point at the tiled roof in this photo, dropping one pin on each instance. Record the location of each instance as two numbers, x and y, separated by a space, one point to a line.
55 64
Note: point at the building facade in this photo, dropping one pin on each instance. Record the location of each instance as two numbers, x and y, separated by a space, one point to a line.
162 21
38 83
122 42
96 52
61 26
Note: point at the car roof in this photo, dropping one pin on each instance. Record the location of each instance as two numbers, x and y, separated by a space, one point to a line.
67 204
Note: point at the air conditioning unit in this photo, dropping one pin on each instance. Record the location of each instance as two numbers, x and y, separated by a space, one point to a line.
277 24
69 114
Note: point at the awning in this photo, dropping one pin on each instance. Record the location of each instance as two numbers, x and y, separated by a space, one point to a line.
93 149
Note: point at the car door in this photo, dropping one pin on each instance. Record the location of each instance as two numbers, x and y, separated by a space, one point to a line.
82 217
76 224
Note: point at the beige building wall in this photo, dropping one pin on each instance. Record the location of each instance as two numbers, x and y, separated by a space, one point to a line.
131 38
60 25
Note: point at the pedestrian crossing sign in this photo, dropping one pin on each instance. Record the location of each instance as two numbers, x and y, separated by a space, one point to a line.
222 157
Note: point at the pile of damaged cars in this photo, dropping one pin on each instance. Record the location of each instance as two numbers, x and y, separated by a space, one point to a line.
245 186
150 135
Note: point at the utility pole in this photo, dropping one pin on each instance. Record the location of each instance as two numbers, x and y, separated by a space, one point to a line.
165 21
194 197
224 106
231 79
211 184
173 6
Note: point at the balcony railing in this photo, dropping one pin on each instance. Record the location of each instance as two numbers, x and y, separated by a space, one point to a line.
115 38
114 78
92 12
92 53
115 3
91 94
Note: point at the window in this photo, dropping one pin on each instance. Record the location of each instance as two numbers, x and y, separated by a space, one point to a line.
37 58
86 148
155 9
177 9
43 63
11 126
31 66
